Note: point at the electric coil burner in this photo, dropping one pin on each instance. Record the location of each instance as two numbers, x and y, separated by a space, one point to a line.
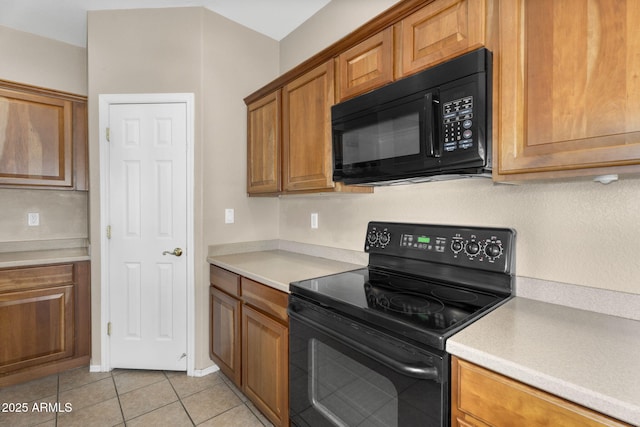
367 347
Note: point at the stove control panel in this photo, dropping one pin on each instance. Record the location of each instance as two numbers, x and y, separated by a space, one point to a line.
378 238
477 247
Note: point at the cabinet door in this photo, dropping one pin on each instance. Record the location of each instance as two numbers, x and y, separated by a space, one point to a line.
224 344
306 103
35 136
569 92
366 66
263 147
36 327
265 361
439 31
473 398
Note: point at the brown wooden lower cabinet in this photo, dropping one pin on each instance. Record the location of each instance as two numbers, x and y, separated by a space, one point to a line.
225 333
45 320
482 398
265 364
249 340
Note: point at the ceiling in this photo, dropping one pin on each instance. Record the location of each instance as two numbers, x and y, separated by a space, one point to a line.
66 20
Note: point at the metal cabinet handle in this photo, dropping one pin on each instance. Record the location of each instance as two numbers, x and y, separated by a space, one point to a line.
176 252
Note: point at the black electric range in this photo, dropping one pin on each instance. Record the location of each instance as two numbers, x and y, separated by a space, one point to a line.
423 282
367 347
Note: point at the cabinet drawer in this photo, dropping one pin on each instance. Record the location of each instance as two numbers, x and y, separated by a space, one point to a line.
265 298
475 390
225 280
35 277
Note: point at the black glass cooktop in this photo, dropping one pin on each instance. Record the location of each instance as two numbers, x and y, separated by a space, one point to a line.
424 282
423 310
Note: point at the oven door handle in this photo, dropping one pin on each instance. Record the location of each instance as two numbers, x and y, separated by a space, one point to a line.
420 371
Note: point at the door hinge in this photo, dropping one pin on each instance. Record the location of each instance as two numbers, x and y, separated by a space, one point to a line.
108 131
109 329
108 231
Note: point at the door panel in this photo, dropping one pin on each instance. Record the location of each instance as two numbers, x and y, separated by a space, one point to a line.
147 192
225 333
36 327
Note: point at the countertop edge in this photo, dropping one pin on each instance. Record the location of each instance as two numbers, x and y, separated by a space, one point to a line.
35 258
248 274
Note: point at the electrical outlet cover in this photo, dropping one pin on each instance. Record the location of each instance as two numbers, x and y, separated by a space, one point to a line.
33 219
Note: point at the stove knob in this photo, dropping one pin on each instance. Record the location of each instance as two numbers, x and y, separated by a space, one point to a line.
384 238
493 250
372 237
472 248
456 246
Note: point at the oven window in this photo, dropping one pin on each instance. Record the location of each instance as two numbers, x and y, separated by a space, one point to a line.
348 393
394 137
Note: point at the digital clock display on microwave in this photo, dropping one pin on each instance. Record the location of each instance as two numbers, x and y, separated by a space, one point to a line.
422 242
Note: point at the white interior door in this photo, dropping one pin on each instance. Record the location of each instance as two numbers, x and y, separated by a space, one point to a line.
148 221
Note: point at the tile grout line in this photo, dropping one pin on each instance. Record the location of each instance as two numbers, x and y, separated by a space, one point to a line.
246 403
115 386
179 399
57 398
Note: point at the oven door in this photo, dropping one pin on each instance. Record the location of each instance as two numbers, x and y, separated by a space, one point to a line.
344 373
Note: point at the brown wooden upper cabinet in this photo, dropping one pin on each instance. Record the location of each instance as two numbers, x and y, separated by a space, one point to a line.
264 145
306 130
43 138
569 94
365 66
441 30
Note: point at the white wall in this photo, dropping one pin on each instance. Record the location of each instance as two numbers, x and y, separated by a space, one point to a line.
582 233
187 50
38 61
331 23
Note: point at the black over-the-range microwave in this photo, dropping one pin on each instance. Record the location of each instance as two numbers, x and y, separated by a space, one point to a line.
432 125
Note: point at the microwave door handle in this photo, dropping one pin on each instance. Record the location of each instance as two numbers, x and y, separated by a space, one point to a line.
428 129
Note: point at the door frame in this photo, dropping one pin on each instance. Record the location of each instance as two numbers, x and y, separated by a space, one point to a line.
105 101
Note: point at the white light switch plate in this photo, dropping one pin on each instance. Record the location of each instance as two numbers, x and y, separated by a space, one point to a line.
314 220
229 216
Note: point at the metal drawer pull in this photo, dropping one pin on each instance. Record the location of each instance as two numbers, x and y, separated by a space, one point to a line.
176 252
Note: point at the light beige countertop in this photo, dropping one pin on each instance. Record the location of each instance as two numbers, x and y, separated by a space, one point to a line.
278 268
589 358
19 254
586 357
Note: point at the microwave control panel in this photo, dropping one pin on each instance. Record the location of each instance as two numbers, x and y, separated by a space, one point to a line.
457 120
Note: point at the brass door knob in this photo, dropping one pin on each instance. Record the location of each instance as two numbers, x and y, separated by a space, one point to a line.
175 252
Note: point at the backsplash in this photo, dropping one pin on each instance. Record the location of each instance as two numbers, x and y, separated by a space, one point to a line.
583 233
63 215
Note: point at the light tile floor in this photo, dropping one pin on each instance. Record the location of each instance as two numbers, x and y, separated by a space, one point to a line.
128 397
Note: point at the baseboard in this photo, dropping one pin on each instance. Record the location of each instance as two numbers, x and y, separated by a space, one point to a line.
206 371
